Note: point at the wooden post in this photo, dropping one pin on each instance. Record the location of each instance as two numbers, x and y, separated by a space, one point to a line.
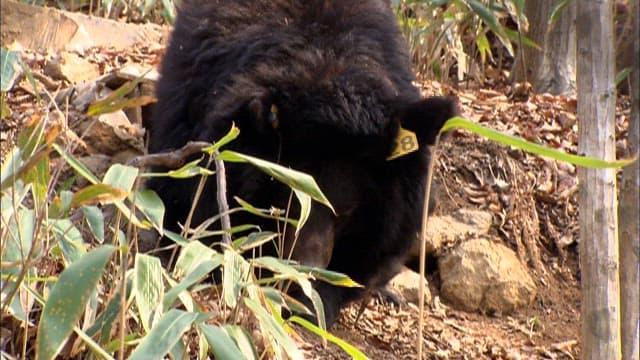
629 214
600 311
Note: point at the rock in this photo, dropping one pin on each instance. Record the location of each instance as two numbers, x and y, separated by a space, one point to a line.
97 164
407 284
484 275
442 230
72 68
111 134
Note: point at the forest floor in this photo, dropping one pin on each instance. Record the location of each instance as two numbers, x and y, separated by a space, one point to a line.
533 201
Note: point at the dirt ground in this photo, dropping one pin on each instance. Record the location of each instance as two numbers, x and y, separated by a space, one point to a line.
533 201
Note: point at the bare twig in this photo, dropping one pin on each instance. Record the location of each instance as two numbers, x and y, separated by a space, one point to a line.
223 205
171 160
177 158
423 240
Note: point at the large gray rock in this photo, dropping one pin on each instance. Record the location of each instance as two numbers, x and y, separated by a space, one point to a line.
483 275
461 224
407 284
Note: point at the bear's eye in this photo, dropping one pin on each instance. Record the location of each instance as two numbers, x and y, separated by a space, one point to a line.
272 117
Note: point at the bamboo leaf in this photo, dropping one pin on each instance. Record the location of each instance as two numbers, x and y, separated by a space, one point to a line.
67 301
519 143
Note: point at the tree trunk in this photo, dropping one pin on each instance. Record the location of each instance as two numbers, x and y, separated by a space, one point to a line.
629 213
552 67
600 308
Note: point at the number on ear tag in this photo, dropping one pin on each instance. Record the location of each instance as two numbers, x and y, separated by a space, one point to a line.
406 142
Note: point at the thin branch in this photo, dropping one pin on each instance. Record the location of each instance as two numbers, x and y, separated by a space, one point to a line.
177 158
171 160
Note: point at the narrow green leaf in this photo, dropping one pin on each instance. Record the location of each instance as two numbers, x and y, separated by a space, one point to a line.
164 335
295 179
76 165
191 256
95 220
332 277
265 213
67 300
148 288
235 270
97 193
275 328
252 240
69 239
489 18
189 170
348 348
230 136
121 176
284 270
202 270
521 38
555 13
243 340
221 344
150 204
109 103
590 162
622 75
8 68
305 209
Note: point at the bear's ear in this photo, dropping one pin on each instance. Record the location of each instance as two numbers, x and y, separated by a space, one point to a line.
257 114
426 117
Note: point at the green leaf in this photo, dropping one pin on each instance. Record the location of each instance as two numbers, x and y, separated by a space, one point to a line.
252 240
8 69
164 335
519 143
148 288
221 344
521 38
188 170
97 193
11 164
69 239
243 340
348 348
95 220
489 18
555 14
235 270
230 136
295 179
305 209
150 204
275 328
265 213
67 301
116 100
201 271
284 270
191 256
622 75
76 165
86 173
121 176
332 277
17 239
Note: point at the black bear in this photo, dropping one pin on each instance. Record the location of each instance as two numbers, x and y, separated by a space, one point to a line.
321 86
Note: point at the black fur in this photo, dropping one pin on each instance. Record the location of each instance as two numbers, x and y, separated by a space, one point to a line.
340 75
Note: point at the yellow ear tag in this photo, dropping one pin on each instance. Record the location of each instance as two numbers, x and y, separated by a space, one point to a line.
405 142
273 116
